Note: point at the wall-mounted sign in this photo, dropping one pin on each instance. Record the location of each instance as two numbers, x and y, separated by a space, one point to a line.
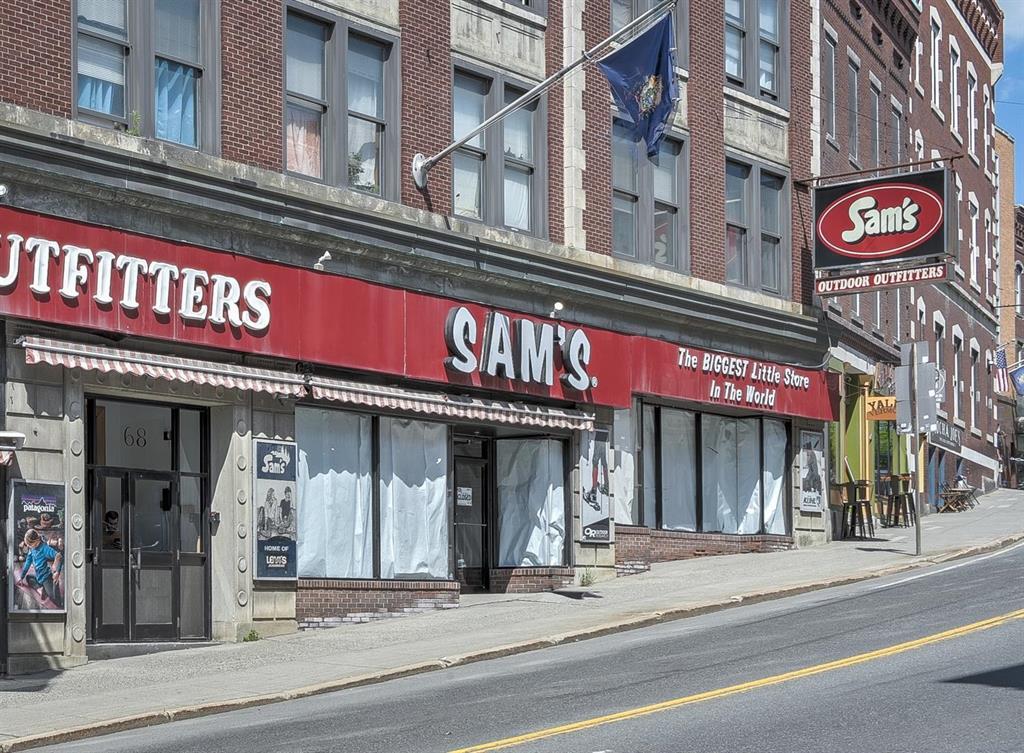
519 349
464 496
275 510
595 515
946 436
812 471
896 278
883 220
36 547
881 409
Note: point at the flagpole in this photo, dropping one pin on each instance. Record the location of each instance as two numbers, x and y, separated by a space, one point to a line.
422 164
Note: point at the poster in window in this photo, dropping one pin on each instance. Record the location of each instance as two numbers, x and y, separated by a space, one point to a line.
595 516
275 512
37 536
812 465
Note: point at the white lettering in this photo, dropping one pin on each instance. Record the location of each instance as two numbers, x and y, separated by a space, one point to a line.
498 360
192 290
460 335
75 273
257 298
868 220
162 274
576 357
13 258
536 352
42 250
130 267
224 297
104 265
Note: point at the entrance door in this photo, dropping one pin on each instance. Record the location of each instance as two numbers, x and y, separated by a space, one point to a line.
110 571
471 505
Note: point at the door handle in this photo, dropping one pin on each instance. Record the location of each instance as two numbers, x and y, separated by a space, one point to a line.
136 558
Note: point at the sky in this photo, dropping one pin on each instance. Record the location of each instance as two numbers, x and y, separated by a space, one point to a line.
1010 89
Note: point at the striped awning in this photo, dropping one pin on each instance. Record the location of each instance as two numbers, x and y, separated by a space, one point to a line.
448 406
99 358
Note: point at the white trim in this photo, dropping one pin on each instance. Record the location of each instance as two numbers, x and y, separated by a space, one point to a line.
938 318
848 357
970 34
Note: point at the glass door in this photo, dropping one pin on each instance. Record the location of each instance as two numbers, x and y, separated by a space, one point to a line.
154 535
471 505
110 573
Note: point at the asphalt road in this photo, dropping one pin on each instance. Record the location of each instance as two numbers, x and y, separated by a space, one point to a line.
960 693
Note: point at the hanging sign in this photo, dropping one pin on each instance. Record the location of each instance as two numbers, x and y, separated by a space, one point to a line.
812 465
595 515
275 510
881 409
880 221
37 546
947 436
896 278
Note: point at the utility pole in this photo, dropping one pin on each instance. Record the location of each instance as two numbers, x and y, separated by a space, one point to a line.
914 444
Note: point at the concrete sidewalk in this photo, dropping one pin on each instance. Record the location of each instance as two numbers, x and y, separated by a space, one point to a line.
121 693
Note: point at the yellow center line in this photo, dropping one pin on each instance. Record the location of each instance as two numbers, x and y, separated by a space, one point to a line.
817 669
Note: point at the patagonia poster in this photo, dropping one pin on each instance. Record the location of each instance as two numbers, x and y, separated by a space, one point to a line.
37 546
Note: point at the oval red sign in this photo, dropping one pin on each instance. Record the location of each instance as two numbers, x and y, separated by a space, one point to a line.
876 222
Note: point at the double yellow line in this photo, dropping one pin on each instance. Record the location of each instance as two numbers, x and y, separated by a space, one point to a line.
675 703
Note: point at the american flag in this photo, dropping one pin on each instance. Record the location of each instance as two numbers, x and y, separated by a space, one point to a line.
1002 380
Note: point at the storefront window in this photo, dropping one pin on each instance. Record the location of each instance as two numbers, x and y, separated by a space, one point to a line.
134 435
335 492
743 467
413 499
531 502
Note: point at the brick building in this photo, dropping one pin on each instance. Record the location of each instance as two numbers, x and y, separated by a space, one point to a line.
905 81
1011 313
265 382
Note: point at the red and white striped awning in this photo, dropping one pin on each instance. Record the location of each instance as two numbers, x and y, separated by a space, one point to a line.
448 406
99 358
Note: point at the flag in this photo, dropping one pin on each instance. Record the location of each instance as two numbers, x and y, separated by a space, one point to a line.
1002 380
642 76
1017 376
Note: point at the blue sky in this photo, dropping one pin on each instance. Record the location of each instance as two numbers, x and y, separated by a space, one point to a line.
1010 117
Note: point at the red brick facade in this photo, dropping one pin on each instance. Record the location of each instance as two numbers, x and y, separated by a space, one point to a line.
530 579
637 548
327 603
35 36
253 88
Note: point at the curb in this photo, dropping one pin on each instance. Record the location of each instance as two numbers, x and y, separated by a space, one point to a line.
151 718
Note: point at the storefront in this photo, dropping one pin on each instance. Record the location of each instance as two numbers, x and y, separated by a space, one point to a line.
223 444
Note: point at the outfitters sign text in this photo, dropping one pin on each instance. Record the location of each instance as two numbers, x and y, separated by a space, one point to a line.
880 221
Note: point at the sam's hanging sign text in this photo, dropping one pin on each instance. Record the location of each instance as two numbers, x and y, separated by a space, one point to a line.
881 221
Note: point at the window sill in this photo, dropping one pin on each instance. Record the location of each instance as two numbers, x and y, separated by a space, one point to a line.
975 159
938 113
976 432
956 135
919 89
535 17
831 140
855 162
941 413
856 320
959 271
976 287
959 422
731 91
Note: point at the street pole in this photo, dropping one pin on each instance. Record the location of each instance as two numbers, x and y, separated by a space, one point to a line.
914 444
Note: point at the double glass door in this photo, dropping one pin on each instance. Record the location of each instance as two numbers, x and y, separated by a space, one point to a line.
148 527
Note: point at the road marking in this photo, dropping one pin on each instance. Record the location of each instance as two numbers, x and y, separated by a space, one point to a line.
965 563
817 669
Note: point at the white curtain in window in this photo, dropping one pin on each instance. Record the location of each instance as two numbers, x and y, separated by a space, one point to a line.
365 77
775 436
413 499
731 457
531 502
335 494
678 470
748 474
623 475
517 197
302 141
175 102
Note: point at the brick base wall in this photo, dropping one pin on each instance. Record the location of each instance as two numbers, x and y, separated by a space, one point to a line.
327 603
636 547
530 579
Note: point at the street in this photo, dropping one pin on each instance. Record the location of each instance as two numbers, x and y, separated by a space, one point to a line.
961 691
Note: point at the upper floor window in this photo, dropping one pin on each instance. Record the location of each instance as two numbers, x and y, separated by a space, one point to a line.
756 243
162 89
1018 278
875 117
497 176
936 61
339 115
853 109
649 200
624 11
828 77
954 88
754 51
896 147
972 112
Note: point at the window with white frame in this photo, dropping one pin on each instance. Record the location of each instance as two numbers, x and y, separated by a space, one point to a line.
975 394
340 104
918 54
497 176
972 212
828 78
148 67
896 135
958 352
649 222
940 338
1018 279
757 240
954 87
754 51
878 309
986 137
875 116
853 108
972 113
936 64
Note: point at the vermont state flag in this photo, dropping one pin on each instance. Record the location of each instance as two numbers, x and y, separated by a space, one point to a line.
642 76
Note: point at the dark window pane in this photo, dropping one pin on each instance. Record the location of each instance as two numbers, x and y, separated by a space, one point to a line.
736 176
736 255
305 56
768 17
770 253
624 225
107 16
190 490
364 146
469 105
733 52
177 29
133 435
624 158
771 203
769 63
365 76
100 76
665 234
666 172
189 442
468 184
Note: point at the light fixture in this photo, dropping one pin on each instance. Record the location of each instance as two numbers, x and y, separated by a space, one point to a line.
556 309
3 190
319 266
